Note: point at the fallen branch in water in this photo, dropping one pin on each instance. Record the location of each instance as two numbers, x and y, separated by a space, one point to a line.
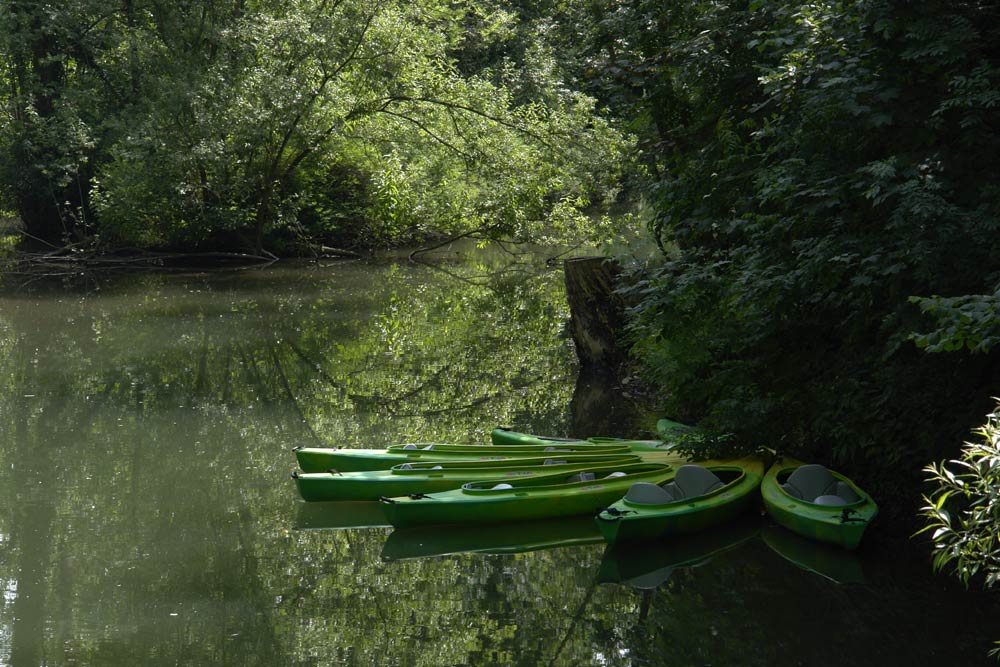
452 239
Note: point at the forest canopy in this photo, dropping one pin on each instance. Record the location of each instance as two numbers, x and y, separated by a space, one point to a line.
259 124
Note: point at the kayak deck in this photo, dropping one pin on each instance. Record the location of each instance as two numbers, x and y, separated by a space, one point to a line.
432 477
521 499
635 518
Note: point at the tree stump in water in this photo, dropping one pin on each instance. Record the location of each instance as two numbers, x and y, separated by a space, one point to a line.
596 312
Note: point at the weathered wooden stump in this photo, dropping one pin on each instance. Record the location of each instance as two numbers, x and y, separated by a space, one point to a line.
596 312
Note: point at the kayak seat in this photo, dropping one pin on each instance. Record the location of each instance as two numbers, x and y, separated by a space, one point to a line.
581 477
554 449
692 481
502 485
405 466
845 491
814 482
411 446
552 462
644 493
617 473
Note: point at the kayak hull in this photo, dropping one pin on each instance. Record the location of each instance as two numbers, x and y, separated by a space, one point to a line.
625 521
506 437
526 500
321 459
443 476
843 526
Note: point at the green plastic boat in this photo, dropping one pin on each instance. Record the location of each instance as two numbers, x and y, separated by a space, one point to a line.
817 503
493 538
523 499
321 459
506 437
432 477
700 496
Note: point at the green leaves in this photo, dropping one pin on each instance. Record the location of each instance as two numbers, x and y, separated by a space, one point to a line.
228 122
965 537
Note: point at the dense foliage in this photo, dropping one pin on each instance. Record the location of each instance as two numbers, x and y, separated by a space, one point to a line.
825 177
248 123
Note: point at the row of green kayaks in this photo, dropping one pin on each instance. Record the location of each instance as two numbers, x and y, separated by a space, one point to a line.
638 489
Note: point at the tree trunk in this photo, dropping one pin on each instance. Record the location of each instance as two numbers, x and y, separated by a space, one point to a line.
596 312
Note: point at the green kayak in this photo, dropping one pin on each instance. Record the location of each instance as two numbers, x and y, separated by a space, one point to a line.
321 459
700 496
817 503
431 477
522 499
506 437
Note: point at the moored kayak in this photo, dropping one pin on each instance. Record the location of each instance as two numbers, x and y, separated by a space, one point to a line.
522 499
431 477
699 497
817 503
508 437
320 459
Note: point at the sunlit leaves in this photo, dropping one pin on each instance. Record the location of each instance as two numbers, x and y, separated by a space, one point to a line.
229 122
962 512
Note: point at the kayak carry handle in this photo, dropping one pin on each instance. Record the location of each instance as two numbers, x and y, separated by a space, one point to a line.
387 499
295 474
845 517
613 511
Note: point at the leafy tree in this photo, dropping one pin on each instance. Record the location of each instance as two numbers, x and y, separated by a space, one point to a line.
157 123
833 160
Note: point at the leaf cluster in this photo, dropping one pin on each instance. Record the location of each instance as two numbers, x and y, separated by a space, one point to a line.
818 165
963 509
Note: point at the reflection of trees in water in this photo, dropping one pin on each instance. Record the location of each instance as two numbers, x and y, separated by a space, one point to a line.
157 431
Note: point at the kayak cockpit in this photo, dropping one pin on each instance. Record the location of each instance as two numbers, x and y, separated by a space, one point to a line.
814 483
691 481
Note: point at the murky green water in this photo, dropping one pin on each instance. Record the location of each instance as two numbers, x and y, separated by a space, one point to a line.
147 516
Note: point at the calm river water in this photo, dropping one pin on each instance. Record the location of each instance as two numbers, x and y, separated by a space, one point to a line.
147 516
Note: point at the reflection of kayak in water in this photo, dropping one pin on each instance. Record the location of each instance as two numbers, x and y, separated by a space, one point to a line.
837 565
649 564
502 538
332 516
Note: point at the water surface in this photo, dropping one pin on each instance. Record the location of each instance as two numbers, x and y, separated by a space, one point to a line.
147 516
